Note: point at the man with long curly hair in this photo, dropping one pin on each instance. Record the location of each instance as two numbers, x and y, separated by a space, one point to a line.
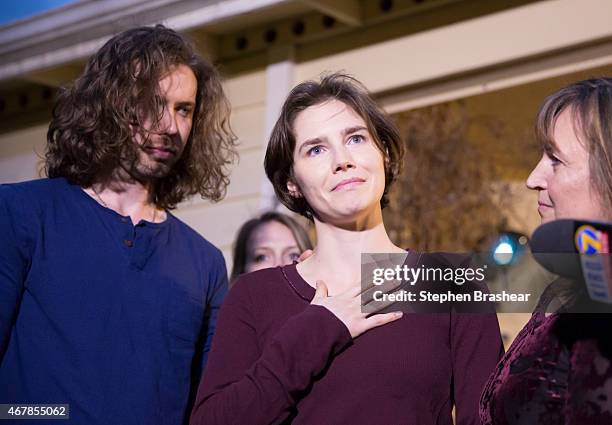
107 301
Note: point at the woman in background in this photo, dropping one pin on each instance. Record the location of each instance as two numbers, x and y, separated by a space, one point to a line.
558 370
270 240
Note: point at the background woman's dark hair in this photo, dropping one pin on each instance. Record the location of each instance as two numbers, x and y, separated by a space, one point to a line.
94 119
590 105
241 245
279 154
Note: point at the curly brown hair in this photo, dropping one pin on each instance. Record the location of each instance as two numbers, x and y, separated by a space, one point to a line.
278 162
93 120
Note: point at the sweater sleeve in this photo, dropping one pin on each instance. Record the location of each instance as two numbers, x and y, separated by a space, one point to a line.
247 383
14 263
476 346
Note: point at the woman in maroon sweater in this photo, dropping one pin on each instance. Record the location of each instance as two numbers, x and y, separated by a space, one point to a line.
285 352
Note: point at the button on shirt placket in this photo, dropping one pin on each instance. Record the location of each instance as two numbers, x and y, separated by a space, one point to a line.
128 236
130 233
139 248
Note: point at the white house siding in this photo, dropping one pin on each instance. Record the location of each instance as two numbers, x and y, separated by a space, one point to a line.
218 222
20 153
499 38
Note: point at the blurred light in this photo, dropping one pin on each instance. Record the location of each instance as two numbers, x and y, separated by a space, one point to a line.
503 253
508 248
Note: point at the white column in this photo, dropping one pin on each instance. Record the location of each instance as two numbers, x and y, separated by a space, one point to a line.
279 81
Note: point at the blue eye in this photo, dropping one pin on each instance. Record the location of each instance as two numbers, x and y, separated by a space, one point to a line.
356 138
315 150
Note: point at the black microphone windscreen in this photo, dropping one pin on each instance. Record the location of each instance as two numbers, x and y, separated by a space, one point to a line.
554 237
553 245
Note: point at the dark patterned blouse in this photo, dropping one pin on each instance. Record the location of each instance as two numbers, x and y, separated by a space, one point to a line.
558 370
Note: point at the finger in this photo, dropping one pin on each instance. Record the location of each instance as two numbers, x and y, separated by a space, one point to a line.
377 306
381 319
304 255
367 296
321 289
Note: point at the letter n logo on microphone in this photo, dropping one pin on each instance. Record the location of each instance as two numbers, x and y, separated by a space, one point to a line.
592 244
588 240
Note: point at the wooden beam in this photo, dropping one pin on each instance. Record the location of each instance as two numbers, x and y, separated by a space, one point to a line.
345 11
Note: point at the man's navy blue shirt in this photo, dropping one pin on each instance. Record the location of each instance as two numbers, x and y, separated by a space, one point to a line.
112 318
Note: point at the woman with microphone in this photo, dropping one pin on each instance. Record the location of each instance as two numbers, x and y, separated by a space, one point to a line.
558 370
292 344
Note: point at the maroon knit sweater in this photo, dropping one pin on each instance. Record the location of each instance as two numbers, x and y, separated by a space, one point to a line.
276 359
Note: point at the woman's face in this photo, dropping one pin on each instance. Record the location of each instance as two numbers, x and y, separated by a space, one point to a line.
271 244
337 166
562 178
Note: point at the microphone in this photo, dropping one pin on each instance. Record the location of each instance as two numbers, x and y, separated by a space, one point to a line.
578 250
